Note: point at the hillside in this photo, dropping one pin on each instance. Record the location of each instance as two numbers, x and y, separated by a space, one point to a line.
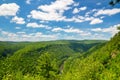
8 48
102 64
61 60
23 57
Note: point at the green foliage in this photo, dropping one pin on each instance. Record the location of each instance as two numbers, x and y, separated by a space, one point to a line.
61 60
47 66
118 27
102 64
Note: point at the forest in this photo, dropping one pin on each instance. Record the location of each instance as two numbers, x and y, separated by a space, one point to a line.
61 60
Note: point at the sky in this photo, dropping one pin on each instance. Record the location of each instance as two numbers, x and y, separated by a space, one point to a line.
44 20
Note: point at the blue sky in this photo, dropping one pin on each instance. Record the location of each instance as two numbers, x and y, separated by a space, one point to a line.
44 20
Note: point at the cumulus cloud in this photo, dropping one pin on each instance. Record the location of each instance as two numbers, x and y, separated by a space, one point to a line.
96 29
77 10
28 1
57 29
55 11
38 36
9 9
35 25
108 12
58 5
69 30
83 8
52 12
46 16
79 19
76 4
18 20
22 36
8 34
96 21
112 29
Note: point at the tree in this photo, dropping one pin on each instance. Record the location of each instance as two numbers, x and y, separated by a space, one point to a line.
46 66
118 27
113 2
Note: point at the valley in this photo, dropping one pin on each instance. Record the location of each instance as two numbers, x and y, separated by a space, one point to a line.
60 60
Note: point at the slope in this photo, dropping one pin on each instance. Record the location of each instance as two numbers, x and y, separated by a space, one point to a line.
102 64
30 59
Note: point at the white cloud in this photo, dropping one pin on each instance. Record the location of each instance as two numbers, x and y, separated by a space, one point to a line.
4 32
79 19
8 34
9 9
21 32
83 8
18 20
57 29
112 29
69 30
98 36
52 12
77 10
76 4
86 34
17 27
108 12
35 25
22 36
28 1
90 12
96 21
38 36
95 33
96 29
55 11
92 20
58 5
52 16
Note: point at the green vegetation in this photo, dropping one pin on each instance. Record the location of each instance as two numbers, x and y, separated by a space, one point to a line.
61 60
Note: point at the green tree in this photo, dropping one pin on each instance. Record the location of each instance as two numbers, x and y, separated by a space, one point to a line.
118 27
46 66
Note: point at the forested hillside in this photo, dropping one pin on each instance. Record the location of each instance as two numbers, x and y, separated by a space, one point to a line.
102 64
61 60
40 59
